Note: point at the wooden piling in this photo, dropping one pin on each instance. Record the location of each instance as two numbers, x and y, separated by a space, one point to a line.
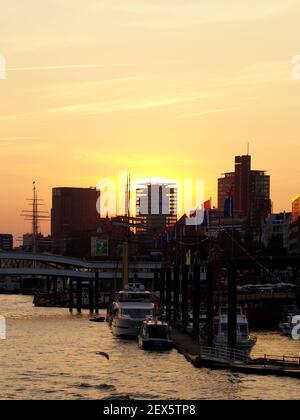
196 301
232 306
79 295
168 293
91 296
48 285
162 288
70 294
97 291
297 282
176 292
54 283
210 305
185 302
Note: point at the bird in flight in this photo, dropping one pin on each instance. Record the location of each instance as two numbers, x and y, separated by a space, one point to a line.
102 353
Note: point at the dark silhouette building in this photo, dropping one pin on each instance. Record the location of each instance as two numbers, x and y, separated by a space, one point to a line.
294 239
6 242
251 192
74 216
42 243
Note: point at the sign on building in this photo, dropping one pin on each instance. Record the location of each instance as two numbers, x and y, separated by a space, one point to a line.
99 247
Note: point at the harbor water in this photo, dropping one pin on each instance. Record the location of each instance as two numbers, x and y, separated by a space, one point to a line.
50 354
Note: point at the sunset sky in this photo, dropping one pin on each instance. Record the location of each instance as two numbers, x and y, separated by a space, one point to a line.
155 87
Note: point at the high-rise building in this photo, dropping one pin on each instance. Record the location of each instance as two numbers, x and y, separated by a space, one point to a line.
156 204
294 239
156 207
224 184
296 208
73 214
277 227
251 191
6 242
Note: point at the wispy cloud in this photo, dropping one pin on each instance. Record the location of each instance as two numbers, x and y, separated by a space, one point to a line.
108 107
112 107
140 162
205 112
61 67
18 138
162 15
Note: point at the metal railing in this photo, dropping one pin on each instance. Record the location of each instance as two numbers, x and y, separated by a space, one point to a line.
224 354
280 361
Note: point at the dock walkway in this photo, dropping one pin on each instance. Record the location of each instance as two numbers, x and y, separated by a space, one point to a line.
227 360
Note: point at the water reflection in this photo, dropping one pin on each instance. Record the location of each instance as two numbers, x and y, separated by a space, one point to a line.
50 354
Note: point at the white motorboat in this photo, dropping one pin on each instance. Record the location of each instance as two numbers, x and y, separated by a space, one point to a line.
131 307
155 335
245 341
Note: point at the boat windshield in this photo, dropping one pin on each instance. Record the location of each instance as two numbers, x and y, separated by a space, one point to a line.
244 330
134 297
137 313
241 328
158 331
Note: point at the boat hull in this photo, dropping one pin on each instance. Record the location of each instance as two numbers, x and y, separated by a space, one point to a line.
125 327
286 329
244 345
155 344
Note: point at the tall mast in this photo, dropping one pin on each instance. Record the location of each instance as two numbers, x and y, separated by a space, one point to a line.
35 216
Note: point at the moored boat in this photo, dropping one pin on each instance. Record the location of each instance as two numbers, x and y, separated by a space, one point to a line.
245 341
155 335
288 324
131 307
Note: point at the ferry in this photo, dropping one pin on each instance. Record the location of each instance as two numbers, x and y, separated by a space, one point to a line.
155 335
131 307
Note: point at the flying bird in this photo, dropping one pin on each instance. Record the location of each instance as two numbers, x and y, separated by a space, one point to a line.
102 353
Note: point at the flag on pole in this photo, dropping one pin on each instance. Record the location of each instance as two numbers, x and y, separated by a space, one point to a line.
207 209
207 204
193 213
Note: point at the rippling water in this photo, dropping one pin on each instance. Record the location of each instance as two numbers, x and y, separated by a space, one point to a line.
49 354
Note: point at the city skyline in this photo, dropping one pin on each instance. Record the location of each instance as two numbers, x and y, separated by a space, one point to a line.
45 226
156 90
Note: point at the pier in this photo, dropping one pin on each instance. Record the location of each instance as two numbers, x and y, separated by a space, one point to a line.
234 360
206 355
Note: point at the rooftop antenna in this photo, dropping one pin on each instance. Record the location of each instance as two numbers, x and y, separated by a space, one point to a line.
35 216
248 148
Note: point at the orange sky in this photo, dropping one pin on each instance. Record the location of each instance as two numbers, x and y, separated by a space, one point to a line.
162 88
